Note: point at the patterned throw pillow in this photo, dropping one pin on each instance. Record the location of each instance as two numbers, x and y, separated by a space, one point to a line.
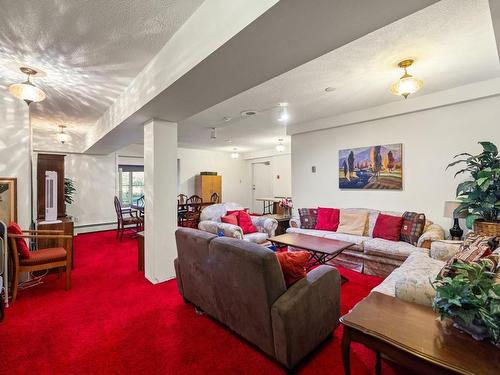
412 227
308 217
474 248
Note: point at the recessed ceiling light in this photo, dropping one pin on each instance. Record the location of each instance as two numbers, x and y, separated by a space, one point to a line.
226 118
235 154
330 89
248 113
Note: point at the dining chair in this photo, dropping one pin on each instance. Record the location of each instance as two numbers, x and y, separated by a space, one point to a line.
214 198
126 219
193 206
181 209
41 259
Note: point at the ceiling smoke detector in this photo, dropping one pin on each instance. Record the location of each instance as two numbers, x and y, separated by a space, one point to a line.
248 113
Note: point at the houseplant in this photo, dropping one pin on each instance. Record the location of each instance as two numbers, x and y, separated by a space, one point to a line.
471 298
69 190
480 196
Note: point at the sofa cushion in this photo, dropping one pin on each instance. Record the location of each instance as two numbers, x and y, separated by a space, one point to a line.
293 265
311 232
352 222
412 227
308 217
257 237
388 227
230 219
22 246
245 223
357 240
390 249
328 219
413 284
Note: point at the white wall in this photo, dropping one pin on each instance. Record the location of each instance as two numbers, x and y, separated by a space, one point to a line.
14 151
430 140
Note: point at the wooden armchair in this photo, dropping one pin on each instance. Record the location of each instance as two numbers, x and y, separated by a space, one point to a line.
126 218
192 216
41 259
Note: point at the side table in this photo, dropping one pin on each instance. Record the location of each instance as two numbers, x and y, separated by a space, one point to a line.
283 223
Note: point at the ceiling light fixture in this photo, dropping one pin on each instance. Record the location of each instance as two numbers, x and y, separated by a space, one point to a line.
284 116
248 113
62 137
407 84
330 89
26 90
280 147
235 155
213 133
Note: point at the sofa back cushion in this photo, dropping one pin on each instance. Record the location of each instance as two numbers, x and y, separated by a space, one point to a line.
328 219
214 212
412 227
247 280
353 222
194 267
388 227
308 217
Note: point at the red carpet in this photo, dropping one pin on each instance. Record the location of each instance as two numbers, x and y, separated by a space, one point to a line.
113 321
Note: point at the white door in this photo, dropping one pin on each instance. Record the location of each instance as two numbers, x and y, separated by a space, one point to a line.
262 185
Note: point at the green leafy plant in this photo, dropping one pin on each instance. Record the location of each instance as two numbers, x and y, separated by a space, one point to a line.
471 297
69 190
481 195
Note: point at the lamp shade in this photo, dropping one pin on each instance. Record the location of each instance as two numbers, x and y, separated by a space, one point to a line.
27 91
449 209
406 85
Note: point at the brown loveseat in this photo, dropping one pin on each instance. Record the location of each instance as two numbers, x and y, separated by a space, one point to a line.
241 285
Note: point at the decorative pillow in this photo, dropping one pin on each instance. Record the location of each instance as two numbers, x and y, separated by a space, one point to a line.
352 222
245 223
308 217
388 227
412 227
22 246
230 219
474 247
328 219
293 265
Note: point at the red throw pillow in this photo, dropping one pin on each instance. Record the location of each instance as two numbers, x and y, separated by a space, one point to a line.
328 219
388 227
245 223
22 247
293 265
230 219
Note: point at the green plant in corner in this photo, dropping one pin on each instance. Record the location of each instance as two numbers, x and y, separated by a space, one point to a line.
69 190
471 298
480 196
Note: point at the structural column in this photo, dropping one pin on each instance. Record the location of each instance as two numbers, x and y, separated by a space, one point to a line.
160 196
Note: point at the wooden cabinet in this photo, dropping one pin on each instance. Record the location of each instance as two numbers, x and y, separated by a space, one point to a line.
50 162
205 186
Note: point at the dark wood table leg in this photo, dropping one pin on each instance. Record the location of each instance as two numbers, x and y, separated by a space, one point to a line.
140 253
346 350
378 364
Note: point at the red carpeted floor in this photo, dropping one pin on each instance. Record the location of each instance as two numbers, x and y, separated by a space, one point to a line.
113 321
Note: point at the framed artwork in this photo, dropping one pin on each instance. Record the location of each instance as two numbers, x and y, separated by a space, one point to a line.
373 167
8 199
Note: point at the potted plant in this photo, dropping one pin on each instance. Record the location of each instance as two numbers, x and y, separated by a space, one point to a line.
69 190
470 297
480 196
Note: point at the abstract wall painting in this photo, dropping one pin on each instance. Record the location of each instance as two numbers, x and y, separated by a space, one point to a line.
8 199
375 167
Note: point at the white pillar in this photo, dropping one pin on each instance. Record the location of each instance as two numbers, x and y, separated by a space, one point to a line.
160 195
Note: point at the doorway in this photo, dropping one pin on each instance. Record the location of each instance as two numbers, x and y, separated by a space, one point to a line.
262 185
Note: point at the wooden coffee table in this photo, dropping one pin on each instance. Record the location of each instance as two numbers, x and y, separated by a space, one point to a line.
322 249
410 335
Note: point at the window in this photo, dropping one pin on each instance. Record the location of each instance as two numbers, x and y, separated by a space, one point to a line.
131 180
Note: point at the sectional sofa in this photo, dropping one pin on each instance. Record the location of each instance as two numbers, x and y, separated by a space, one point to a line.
374 256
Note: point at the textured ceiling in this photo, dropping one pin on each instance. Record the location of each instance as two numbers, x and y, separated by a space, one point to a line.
452 43
90 51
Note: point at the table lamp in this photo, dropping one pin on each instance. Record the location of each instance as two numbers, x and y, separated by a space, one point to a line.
449 211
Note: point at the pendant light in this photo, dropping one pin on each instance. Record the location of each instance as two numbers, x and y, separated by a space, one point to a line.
284 116
26 90
235 154
280 147
407 84
62 137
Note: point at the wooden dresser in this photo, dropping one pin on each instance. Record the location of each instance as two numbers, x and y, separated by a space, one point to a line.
206 185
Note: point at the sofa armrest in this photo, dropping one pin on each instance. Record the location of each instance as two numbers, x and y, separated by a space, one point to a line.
265 224
209 226
295 222
444 250
433 232
231 230
306 314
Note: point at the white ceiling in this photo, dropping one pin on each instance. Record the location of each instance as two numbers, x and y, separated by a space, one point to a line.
452 42
90 51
